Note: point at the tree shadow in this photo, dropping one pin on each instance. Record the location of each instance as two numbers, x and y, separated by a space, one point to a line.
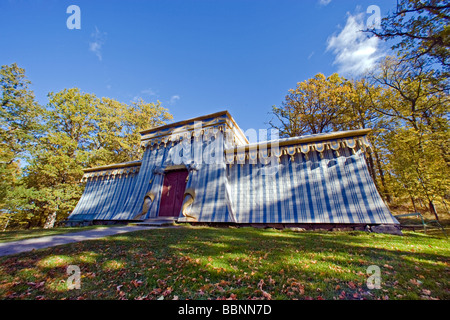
212 263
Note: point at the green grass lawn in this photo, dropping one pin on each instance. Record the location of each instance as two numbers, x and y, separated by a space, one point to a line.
234 263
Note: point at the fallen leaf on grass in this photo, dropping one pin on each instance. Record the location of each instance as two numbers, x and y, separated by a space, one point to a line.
426 292
296 286
223 283
36 285
415 282
260 284
136 283
266 295
167 291
156 291
232 297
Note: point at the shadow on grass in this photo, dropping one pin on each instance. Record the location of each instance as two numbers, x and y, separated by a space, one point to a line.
245 263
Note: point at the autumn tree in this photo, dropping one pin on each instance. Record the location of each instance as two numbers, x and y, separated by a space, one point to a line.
360 113
314 106
416 96
421 29
81 131
56 164
19 128
418 144
135 117
84 131
19 112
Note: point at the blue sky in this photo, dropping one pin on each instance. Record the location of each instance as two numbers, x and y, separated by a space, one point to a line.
195 56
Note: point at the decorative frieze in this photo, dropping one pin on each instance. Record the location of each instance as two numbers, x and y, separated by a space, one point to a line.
111 172
264 152
198 128
172 139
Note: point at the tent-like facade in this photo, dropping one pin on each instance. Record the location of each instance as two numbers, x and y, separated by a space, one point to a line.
205 170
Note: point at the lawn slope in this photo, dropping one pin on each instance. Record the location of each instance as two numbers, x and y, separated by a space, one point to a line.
234 263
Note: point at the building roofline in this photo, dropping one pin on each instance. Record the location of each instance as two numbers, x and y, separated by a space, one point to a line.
184 122
114 166
304 139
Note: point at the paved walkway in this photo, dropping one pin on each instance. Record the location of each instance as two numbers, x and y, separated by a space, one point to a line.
13 247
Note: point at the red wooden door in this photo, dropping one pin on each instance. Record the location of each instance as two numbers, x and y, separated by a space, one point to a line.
172 193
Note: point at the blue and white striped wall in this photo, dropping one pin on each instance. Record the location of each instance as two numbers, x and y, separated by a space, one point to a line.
313 189
121 197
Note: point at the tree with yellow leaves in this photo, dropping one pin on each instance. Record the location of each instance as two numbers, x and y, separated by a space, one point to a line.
314 106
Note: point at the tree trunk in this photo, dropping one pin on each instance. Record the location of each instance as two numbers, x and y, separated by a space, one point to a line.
371 168
413 203
7 222
51 219
421 203
433 210
383 181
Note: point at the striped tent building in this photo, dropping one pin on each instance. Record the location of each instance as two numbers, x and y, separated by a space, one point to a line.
205 170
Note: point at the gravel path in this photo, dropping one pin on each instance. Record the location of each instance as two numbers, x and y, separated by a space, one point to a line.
19 246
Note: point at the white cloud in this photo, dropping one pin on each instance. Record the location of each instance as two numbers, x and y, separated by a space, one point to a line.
173 99
324 2
149 92
355 51
98 40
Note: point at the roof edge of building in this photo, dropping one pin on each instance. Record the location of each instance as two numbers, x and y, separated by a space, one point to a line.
200 118
304 139
115 166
